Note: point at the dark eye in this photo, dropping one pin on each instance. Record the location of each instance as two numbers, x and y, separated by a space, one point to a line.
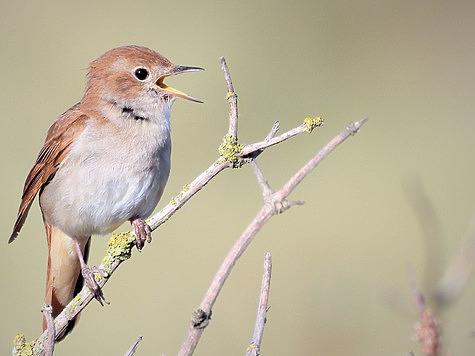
141 73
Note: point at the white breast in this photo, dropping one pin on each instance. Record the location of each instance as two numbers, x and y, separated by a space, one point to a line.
112 174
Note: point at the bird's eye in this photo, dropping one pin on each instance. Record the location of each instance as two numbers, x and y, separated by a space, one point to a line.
141 73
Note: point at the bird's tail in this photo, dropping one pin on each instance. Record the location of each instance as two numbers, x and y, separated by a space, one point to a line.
63 279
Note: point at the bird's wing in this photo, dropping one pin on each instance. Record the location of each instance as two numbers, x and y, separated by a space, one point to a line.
59 139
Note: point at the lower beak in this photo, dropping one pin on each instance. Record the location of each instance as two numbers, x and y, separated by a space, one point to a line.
173 91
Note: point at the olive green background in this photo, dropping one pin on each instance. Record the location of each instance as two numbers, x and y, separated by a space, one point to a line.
340 277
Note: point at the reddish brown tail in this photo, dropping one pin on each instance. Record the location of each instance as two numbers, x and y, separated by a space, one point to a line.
63 279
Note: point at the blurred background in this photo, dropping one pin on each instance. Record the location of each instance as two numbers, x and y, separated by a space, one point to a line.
397 196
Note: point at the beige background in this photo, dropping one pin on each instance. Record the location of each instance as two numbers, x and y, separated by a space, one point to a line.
340 284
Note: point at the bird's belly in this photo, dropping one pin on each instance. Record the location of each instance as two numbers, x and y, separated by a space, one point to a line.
95 196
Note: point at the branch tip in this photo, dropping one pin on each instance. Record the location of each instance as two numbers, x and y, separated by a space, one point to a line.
133 347
273 131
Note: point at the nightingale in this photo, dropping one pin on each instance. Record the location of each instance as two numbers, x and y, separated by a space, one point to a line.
105 161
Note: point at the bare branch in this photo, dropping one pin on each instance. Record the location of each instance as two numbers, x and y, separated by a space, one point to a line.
133 347
263 184
278 205
187 192
273 130
232 100
48 314
255 346
273 141
351 129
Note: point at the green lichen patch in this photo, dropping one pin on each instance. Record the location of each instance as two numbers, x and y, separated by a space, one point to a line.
229 149
120 248
312 122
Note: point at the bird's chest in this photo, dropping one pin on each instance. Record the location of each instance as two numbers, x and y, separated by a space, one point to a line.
110 177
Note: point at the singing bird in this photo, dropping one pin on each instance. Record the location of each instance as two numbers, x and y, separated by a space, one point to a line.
104 161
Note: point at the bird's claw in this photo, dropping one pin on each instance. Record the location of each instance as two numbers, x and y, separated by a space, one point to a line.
142 231
88 275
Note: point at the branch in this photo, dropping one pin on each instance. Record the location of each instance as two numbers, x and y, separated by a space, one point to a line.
254 348
47 312
277 203
133 347
232 100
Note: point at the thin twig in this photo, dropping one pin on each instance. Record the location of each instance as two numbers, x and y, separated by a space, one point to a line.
350 130
232 100
248 149
261 179
273 130
279 205
133 347
255 346
48 315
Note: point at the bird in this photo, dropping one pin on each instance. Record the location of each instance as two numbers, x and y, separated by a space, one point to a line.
105 161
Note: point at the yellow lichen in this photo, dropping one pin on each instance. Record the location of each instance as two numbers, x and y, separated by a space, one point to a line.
173 201
21 347
73 304
230 94
229 149
312 122
186 188
119 248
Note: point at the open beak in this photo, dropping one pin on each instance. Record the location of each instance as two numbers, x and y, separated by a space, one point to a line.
173 91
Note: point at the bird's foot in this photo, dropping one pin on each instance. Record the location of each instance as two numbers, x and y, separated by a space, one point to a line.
88 275
142 231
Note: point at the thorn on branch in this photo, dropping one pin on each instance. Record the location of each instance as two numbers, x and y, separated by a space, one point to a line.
353 127
280 205
133 347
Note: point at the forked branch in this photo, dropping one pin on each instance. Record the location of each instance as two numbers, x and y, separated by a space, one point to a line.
274 204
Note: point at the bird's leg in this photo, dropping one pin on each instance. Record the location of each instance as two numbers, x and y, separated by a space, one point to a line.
88 275
142 231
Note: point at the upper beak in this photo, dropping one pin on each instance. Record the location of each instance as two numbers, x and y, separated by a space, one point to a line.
173 91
